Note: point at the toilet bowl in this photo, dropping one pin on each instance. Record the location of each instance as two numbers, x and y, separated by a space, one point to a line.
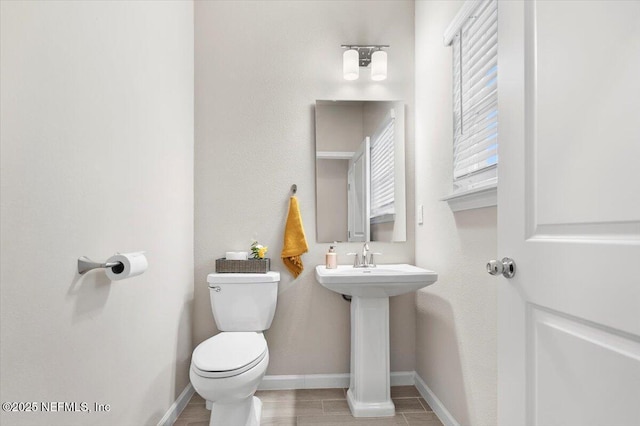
227 369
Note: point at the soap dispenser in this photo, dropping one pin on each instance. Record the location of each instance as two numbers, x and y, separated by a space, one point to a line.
331 258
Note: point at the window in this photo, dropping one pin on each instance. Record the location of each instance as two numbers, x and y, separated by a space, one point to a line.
382 171
473 37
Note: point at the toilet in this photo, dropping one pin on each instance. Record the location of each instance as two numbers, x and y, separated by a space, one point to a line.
227 368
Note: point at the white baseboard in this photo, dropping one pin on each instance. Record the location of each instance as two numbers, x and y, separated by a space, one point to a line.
320 381
176 408
438 407
308 381
403 378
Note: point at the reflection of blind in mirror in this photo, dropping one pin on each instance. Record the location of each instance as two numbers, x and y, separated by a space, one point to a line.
382 171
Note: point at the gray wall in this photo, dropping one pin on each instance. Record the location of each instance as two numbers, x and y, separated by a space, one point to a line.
96 157
260 66
456 317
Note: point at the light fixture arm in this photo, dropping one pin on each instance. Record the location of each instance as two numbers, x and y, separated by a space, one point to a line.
365 51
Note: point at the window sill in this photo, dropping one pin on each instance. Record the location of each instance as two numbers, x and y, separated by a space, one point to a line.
476 198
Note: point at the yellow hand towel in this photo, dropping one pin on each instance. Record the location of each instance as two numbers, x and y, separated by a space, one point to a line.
295 243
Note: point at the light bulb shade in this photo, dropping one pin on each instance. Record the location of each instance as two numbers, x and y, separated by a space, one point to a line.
379 65
351 64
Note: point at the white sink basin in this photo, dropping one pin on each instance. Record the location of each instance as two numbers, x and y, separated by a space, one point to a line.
381 281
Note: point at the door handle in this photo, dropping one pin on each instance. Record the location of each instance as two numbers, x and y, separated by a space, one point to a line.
506 267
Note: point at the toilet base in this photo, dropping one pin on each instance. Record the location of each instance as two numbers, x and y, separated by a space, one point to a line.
246 412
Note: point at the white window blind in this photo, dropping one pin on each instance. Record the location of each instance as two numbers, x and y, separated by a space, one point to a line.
475 96
382 171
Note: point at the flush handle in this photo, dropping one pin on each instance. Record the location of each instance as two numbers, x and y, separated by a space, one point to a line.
217 289
506 267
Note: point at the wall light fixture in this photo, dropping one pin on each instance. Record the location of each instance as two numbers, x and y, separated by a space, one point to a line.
357 56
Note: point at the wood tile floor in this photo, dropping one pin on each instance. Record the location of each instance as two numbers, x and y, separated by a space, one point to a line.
321 407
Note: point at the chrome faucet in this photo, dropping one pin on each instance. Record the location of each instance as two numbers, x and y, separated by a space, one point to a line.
366 261
365 252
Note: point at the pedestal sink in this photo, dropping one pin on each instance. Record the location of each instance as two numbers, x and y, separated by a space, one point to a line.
369 392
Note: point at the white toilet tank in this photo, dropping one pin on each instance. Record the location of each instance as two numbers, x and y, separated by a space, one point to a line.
243 302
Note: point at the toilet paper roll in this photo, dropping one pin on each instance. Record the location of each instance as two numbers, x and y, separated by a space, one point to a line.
132 264
236 255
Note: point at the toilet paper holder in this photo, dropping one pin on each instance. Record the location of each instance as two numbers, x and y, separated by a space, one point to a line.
85 265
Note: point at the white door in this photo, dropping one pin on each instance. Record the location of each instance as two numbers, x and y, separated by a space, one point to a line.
569 213
358 198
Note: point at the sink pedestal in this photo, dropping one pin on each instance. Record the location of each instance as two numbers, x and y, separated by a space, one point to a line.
369 393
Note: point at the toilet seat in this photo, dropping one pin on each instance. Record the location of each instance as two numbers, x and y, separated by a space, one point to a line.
228 354
231 373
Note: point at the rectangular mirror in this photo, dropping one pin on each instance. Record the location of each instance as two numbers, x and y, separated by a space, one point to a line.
360 175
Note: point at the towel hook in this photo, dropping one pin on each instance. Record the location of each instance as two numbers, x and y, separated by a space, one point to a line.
294 189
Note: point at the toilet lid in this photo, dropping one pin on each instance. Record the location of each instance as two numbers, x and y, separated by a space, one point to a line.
229 351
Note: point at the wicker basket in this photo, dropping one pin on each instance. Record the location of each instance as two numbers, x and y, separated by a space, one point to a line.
253 266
